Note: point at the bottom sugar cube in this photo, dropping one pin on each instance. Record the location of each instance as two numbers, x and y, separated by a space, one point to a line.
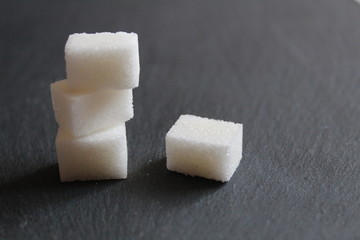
102 155
204 147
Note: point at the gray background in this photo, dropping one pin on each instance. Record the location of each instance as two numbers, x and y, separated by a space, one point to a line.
288 70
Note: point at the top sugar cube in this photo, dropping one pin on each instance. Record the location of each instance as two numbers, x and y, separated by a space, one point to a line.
102 60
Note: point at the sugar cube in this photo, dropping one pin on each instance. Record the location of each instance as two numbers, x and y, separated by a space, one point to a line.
81 113
102 155
102 60
204 147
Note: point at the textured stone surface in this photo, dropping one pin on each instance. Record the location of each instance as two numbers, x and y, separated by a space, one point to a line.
287 69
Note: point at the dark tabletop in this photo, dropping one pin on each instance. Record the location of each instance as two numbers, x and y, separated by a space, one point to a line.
288 70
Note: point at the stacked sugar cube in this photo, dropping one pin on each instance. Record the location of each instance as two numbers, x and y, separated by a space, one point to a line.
92 105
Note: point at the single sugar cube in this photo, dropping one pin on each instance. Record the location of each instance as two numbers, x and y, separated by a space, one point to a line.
102 155
81 113
102 60
204 147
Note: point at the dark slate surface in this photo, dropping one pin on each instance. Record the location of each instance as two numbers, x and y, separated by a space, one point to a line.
288 70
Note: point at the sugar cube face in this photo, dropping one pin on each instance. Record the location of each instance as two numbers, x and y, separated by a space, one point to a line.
204 147
102 155
102 60
81 113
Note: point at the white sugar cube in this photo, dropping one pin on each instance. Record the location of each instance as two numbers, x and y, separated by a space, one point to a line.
102 155
102 60
81 113
204 147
